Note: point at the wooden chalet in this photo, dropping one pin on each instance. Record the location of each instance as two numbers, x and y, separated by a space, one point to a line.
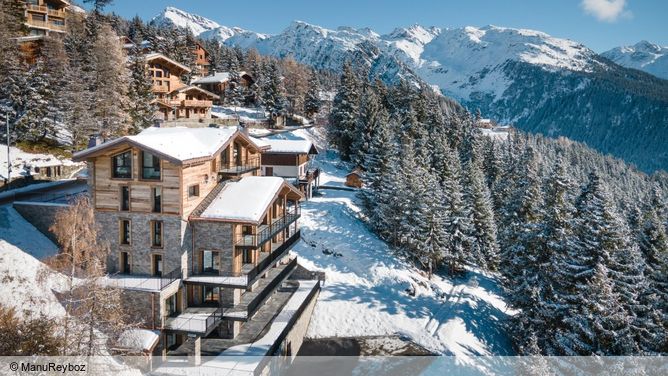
217 83
44 17
199 241
175 99
291 160
355 178
202 63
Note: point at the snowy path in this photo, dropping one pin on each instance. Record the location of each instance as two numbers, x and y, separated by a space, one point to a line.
366 288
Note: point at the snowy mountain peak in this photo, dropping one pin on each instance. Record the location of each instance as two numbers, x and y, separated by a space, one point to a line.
643 55
415 33
175 17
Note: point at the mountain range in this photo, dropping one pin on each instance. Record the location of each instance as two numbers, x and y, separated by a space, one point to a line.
537 82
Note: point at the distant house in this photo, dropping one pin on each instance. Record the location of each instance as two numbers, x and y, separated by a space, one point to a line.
355 178
201 60
217 83
175 99
291 159
44 17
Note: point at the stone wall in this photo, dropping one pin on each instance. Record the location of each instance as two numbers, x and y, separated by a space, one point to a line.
295 337
41 215
140 251
214 236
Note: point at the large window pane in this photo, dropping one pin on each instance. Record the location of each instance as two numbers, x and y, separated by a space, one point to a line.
122 165
150 166
157 199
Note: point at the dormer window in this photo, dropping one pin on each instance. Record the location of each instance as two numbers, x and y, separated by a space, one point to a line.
150 166
122 165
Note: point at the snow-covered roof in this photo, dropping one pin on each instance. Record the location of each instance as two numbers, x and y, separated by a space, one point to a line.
216 78
288 146
178 143
155 55
245 200
197 88
139 339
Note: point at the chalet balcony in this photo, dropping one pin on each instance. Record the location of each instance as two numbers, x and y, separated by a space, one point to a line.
197 103
37 8
241 167
203 320
142 282
46 25
268 231
249 272
60 13
160 89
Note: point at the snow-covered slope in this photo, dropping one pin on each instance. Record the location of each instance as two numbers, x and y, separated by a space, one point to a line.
25 282
369 291
176 17
646 56
204 27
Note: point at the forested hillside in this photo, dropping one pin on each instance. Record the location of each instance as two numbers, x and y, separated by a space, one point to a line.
578 238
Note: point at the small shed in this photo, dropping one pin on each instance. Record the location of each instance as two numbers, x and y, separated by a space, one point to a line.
355 178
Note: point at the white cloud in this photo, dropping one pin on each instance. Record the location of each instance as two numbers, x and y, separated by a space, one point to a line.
606 10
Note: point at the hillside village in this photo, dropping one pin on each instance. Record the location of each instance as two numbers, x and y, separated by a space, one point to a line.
235 205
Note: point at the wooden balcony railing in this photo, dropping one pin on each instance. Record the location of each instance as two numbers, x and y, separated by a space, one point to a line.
37 8
197 103
46 25
160 89
57 13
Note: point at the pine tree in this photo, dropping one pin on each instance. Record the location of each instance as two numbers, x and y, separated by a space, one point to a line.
345 112
372 115
234 92
485 247
654 247
140 94
273 93
110 94
312 101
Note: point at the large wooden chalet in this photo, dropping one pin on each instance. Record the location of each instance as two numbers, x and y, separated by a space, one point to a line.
291 160
175 99
218 82
44 17
199 240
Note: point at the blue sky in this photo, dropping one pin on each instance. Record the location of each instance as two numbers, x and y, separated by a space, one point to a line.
599 24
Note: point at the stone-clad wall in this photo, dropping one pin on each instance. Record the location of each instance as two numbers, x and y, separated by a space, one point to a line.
214 236
174 241
142 308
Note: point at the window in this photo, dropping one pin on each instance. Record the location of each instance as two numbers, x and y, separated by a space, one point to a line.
125 231
156 234
158 74
157 265
122 165
150 166
171 306
157 199
125 198
269 171
125 263
248 256
193 190
211 294
209 262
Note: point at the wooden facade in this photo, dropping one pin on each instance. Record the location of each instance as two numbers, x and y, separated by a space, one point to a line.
44 17
217 83
201 60
175 99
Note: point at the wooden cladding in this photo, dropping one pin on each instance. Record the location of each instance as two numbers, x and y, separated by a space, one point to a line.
142 193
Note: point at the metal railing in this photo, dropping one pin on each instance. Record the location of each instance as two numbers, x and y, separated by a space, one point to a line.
195 324
170 277
269 289
144 282
269 231
248 165
277 254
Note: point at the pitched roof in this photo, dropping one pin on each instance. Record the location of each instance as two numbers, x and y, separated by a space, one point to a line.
217 78
288 146
155 56
246 200
178 144
197 88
